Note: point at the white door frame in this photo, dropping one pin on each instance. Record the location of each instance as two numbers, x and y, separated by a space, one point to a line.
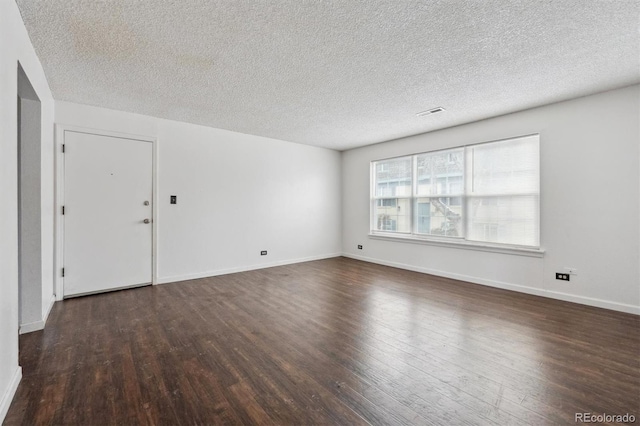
58 262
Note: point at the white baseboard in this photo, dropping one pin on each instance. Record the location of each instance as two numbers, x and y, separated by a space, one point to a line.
583 300
194 276
31 327
38 325
5 402
46 313
591 301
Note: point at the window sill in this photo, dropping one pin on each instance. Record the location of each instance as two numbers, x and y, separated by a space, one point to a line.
460 244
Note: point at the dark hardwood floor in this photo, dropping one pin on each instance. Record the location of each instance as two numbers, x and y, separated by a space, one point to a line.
336 341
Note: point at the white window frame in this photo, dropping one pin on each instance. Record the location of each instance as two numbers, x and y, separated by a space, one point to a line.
444 241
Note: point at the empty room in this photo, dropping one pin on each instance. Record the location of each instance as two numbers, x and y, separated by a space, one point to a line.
319 212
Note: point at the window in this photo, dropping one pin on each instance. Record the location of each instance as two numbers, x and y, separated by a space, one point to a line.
387 202
488 193
393 195
440 185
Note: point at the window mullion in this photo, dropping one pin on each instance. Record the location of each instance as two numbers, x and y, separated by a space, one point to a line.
465 196
414 190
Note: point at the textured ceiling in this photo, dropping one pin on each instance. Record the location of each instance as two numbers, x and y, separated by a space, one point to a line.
336 74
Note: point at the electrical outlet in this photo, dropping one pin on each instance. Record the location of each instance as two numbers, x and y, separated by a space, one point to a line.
359 246
263 253
563 277
571 271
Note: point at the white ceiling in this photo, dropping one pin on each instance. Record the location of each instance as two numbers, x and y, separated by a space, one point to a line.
336 74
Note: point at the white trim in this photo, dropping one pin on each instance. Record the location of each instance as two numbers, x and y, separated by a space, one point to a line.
58 223
155 203
7 398
45 317
461 244
60 130
583 300
466 195
31 327
194 276
103 132
89 293
37 325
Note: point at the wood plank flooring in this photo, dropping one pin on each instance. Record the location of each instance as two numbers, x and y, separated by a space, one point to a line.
335 341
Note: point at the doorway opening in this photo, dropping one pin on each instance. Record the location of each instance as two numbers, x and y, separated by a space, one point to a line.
29 206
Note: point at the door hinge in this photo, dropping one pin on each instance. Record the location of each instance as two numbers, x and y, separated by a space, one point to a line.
63 272
62 209
63 148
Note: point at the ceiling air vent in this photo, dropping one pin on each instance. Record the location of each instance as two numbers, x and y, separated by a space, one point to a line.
430 111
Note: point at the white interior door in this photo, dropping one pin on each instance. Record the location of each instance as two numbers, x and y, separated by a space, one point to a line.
107 201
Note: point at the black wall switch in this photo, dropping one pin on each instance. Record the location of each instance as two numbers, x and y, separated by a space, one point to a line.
174 199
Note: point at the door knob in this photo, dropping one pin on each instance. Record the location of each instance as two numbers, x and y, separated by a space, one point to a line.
146 221
146 203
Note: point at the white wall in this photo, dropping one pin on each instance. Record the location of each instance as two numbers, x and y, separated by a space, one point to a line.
590 203
237 195
15 46
30 214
